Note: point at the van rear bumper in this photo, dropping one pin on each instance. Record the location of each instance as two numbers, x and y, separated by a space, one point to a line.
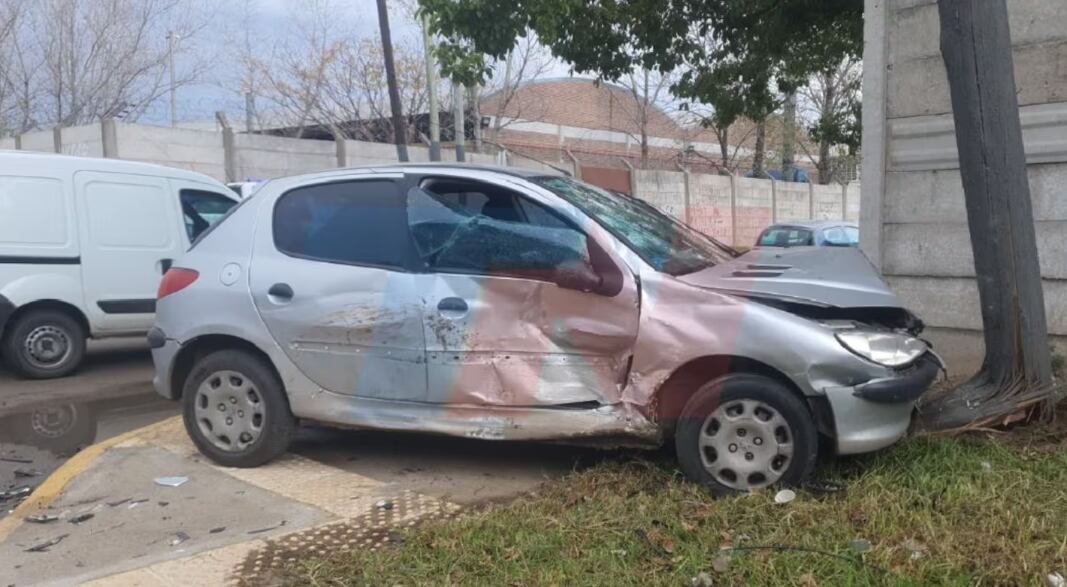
7 309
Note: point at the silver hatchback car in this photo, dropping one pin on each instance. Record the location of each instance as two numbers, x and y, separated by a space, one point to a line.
512 305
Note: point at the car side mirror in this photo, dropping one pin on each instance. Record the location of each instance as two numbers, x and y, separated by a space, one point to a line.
579 277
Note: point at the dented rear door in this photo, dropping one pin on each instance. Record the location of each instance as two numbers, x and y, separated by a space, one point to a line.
330 277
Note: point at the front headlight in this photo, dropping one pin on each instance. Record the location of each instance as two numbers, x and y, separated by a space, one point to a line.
885 348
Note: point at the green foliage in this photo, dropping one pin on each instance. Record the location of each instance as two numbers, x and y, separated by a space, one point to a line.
731 50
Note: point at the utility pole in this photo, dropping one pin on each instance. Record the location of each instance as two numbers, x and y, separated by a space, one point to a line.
171 38
458 116
399 130
431 88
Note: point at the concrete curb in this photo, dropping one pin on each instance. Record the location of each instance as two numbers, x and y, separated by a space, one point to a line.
53 486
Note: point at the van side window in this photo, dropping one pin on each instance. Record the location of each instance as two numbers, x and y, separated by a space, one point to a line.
351 222
201 209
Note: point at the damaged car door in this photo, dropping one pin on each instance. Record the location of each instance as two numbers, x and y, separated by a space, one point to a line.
522 308
332 283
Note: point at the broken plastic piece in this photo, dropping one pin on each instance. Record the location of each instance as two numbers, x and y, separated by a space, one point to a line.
27 473
1055 580
42 519
785 496
216 530
171 481
82 517
384 505
179 538
44 546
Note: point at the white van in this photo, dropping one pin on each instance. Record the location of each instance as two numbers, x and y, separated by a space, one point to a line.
83 245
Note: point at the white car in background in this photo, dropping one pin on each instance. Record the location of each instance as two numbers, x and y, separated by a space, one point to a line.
84 243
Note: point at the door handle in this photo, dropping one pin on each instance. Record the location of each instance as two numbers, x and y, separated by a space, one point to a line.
282 291
165 265
452 306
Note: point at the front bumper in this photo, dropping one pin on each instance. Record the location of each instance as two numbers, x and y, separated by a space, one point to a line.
164 351
875 414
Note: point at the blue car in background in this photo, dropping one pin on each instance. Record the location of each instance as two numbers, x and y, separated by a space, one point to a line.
810 233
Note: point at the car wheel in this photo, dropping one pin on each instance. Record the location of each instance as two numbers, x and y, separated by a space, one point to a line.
62 429
43 344
745 432
235 409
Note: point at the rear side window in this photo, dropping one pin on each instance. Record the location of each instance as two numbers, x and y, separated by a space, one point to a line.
353 222
785 236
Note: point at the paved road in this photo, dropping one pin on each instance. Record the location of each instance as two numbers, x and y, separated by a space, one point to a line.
45 421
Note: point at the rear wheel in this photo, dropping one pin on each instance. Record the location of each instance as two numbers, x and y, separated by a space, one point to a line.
236 411
43 344
746 432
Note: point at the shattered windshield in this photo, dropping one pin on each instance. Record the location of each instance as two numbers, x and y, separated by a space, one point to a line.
665 243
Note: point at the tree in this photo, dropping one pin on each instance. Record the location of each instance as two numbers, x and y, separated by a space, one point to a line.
649 91
1016 373
526 61
834 100
70 62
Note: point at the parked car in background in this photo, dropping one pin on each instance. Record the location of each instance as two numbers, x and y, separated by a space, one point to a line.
810 233
510 305
245 188
83 245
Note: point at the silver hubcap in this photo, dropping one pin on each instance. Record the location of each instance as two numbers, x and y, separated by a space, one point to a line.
47 346
746 444
229 410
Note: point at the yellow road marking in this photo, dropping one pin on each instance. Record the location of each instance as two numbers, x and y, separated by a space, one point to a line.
49 490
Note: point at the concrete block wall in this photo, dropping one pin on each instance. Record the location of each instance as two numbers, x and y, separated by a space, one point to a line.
83 141
42 140
196 150
735 210
914 223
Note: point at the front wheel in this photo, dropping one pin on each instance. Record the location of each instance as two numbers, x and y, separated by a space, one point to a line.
745 432
236 410
43 344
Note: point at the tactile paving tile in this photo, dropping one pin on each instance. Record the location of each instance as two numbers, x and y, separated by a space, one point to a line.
373 530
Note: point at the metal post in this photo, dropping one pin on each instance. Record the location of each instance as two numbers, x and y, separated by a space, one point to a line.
733 209
431 88
457 121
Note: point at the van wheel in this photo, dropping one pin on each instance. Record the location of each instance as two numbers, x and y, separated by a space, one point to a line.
42 344
741 433
236 411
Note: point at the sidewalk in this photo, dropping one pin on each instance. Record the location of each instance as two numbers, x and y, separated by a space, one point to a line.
231 526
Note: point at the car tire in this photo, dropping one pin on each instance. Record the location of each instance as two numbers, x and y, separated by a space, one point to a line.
44 344
231 393
739 428
61 430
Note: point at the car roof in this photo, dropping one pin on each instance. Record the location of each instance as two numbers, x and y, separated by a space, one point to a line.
71 163
812 224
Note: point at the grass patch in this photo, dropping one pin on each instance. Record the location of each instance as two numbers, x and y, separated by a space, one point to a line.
936 511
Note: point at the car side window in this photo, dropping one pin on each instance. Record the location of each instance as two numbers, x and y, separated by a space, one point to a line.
509 236
852 234
201 209
835 236
350 222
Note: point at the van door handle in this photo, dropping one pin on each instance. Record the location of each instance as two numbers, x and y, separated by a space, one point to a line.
165 265
282 291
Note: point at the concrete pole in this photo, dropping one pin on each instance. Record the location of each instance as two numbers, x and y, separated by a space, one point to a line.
458 116
431 88
250 108
789 136
171 37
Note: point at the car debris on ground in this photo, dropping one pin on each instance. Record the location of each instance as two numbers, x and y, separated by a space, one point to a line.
171 481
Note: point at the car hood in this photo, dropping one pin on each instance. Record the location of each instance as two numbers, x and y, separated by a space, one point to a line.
824 276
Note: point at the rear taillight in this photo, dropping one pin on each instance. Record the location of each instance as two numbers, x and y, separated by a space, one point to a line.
175 280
